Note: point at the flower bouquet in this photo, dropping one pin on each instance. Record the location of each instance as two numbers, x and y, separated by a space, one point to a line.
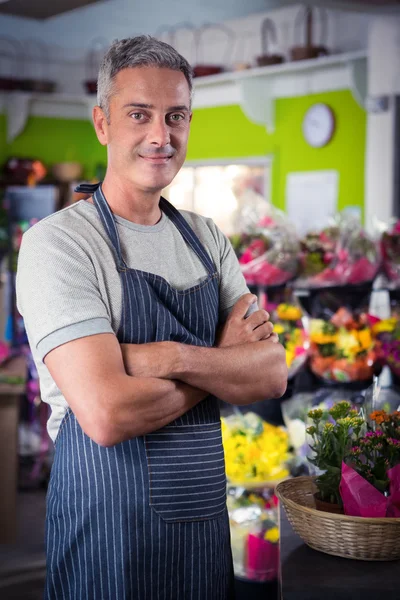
386 332
342 349
256 458
253 519
343 254
256 453
268 251
291 333
390 248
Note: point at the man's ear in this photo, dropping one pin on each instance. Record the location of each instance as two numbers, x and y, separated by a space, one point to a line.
100 125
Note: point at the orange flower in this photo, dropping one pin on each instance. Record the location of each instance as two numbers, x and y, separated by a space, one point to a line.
379 416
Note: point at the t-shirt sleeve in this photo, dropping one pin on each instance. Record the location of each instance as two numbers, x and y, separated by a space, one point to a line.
57 290
232 281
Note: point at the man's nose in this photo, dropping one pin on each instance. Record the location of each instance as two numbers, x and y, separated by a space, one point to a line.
159 134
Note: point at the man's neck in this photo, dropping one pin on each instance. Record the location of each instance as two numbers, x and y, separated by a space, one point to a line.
134 205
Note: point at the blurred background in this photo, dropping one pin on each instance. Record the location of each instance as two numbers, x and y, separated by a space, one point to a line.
294 152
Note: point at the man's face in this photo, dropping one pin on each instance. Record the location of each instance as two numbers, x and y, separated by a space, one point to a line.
148 126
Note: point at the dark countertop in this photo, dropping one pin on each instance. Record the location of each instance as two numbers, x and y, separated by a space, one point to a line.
310 575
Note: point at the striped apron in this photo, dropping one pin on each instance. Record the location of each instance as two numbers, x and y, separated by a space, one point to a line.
146 518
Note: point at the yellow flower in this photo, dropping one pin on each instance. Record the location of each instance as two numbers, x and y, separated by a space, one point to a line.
365 339
288 312
384 325
278 328
347 341
317 326
272 535
323 338
254 455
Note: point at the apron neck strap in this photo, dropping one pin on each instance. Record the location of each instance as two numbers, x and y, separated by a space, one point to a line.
108 221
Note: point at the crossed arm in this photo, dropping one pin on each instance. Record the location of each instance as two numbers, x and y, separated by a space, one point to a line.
119 392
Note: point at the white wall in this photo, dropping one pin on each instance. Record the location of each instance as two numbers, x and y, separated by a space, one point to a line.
383 80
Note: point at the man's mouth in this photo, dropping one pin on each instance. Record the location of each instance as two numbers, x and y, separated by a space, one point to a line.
157 159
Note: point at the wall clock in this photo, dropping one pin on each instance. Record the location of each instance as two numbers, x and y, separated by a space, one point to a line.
319 125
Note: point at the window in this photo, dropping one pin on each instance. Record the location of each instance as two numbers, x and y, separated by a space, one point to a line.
227 192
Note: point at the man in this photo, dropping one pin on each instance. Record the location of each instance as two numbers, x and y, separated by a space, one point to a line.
122 296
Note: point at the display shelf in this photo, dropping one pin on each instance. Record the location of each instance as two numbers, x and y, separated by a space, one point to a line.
255 90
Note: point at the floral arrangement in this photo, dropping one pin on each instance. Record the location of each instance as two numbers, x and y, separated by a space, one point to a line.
288 326
331 442
317 251
253 519
268 251
255 451
342 349
370 482
358 460
390 248
295 416
339 255
386 332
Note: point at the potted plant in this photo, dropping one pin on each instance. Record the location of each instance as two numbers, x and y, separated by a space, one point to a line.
331 442
370 483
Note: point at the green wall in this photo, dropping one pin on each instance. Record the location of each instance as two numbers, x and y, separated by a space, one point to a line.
225 132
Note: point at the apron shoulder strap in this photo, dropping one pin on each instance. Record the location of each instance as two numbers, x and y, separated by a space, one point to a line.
188 234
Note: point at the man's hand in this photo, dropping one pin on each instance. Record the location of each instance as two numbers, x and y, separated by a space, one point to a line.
240 330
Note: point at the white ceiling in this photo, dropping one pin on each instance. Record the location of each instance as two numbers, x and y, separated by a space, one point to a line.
44 9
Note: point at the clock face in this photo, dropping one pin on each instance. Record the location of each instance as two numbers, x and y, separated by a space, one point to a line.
319 125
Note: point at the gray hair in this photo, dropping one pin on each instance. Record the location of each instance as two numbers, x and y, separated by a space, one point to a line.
140 51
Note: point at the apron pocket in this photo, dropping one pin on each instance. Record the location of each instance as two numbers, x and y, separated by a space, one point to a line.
186 472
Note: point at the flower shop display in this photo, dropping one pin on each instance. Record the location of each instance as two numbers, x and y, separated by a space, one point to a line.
253 519
268 250
287 319
343 254
256 453
342 349
390 248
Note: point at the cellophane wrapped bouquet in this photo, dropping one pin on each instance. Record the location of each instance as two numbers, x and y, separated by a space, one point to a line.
267 250
256 458
256 452
287 319
370 482
343 349
386 333
253 518
341 254
390 248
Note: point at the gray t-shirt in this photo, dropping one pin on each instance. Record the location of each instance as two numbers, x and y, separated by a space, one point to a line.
68 286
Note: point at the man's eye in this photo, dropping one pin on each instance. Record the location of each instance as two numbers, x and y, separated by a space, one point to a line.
137 116
176 117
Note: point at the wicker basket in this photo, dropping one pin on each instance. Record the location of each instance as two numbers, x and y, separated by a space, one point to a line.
350 537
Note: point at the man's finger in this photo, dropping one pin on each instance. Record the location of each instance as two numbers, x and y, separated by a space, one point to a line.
257 318
244 305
